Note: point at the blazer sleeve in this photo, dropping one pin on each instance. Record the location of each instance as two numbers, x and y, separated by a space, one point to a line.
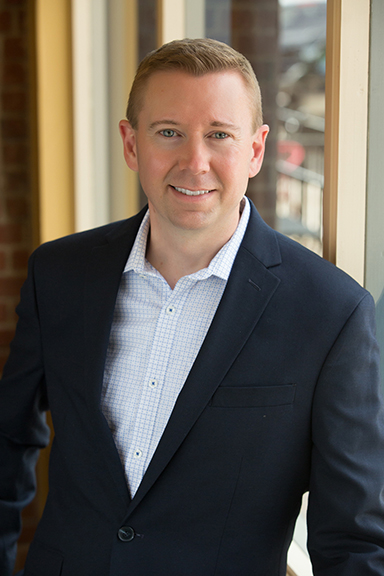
346 502
23 429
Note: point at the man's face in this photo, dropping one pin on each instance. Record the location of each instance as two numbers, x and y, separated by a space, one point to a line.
194 149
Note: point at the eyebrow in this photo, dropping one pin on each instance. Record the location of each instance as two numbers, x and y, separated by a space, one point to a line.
161 123
214 124
218 124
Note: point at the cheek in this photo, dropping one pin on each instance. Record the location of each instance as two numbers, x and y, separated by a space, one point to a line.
153 170
234 166
157 159
149 165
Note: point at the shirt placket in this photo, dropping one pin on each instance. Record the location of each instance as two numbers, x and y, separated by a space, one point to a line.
140 453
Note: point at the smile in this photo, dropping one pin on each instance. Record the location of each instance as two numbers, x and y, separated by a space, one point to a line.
191 192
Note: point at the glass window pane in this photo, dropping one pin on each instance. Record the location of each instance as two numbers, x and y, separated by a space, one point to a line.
300 113
285 42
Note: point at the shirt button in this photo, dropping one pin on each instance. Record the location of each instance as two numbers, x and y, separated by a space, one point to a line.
170 309
137 454
126 534
153 383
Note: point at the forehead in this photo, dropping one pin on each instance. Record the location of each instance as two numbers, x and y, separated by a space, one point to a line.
179 93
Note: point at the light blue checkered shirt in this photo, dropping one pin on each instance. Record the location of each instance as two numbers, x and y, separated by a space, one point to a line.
156 335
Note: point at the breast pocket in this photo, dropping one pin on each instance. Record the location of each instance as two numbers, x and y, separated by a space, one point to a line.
253 396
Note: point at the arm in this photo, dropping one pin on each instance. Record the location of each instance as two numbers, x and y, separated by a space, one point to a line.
346 506
22 423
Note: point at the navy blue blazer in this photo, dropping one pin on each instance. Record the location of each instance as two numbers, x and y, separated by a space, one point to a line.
283 398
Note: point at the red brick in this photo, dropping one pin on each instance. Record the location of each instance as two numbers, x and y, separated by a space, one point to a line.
252 14
2 260
5 21
20 259
17 207
241 18
12 316
23 21
252 45
10 286
14 128
14 73
3 358
16 183
10 233
13 102
3 312
14 153
14 48
6 337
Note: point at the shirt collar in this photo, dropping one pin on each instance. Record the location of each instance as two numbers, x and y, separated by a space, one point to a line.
220 265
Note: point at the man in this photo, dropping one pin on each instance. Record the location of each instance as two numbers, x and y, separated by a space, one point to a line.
202 371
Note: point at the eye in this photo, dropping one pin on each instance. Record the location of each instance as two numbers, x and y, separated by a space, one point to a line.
220 135
168 133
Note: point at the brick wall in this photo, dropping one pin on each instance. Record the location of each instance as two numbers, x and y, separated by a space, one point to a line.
15 171
16 184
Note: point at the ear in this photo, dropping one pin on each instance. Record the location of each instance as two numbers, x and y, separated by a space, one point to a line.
128 136
258 147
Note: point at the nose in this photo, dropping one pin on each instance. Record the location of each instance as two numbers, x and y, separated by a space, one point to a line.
195 157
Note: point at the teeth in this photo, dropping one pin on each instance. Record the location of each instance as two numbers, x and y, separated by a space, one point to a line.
191 192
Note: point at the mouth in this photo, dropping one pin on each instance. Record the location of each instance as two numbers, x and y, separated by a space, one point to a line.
191 192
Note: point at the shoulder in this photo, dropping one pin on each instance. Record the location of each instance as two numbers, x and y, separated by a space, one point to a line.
304 277
302 266
78 245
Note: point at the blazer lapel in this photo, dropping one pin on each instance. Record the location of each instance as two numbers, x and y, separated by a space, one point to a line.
248 291
104 269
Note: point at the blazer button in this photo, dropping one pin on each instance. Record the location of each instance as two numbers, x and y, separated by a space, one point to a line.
126 534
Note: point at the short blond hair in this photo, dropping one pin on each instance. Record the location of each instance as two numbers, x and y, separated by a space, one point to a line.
196 57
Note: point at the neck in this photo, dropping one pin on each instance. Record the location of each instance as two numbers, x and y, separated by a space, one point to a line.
185 252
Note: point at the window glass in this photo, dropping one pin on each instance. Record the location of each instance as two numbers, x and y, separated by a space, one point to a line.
285 42
300 112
